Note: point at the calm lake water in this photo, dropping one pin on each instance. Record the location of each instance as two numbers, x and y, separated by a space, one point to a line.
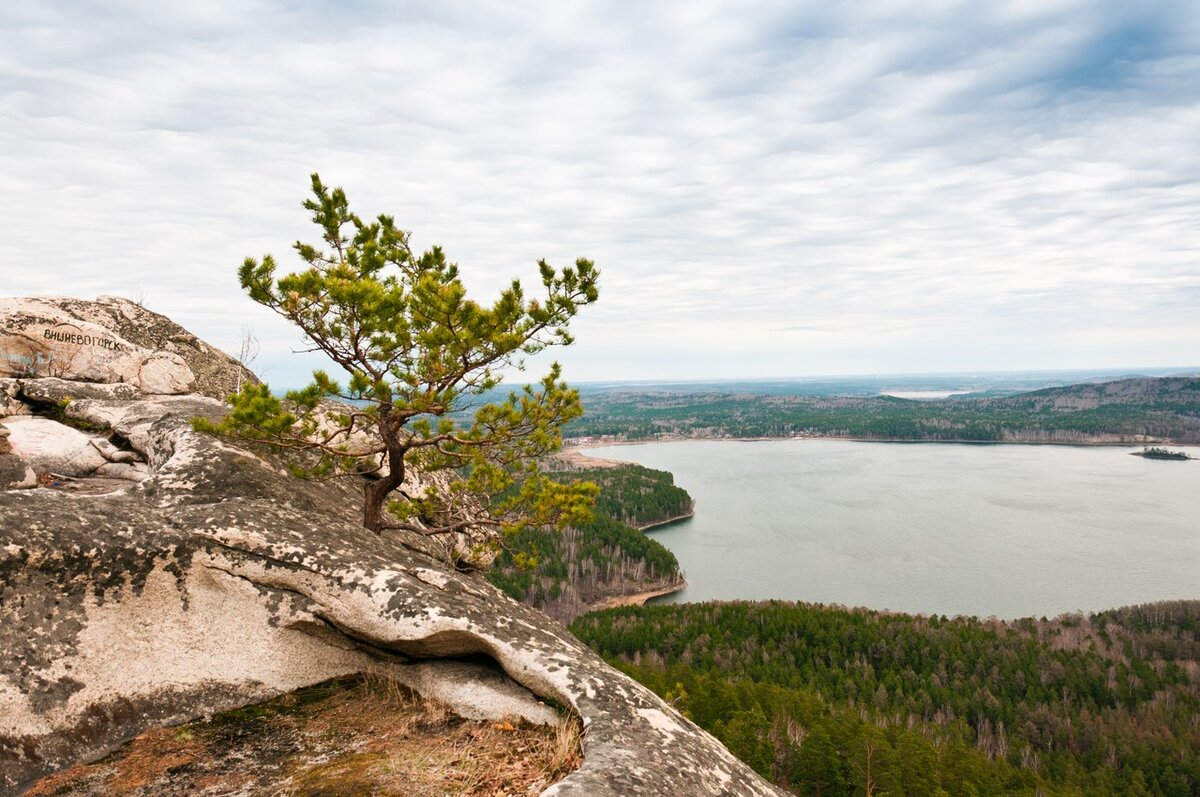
1003 530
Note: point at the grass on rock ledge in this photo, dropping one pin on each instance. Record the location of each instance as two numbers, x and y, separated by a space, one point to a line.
365 735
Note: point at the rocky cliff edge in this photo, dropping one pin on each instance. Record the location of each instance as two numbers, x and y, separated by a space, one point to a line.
207 578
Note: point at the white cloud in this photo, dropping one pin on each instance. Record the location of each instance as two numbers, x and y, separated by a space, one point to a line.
774 190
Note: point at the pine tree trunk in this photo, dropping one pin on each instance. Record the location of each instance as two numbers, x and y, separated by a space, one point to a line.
373 506
375 493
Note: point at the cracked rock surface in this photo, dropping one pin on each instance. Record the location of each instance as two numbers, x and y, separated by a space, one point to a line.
219 580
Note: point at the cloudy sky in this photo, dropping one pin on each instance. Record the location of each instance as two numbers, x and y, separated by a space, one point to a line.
770 189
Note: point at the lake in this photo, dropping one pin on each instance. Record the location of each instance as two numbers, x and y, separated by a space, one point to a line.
986 530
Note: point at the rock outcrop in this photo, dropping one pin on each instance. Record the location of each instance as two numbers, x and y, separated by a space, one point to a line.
53 449
219 580
110 340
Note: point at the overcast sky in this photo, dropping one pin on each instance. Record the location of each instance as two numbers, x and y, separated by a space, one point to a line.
769 189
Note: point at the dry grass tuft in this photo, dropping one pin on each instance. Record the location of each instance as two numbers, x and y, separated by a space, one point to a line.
566 751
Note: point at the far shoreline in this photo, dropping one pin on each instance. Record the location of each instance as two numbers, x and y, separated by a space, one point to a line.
572 447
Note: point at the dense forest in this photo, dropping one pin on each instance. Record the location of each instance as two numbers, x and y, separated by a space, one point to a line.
1131 411
607 556
831 701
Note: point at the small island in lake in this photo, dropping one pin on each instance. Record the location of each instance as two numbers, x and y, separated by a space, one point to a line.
1161 453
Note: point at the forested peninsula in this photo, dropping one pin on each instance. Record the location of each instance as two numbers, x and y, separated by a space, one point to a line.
606 560
1127 411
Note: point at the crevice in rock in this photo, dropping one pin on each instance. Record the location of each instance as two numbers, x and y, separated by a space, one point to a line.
57 411
252 554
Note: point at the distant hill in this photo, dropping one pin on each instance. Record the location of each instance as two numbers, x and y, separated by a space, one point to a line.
1175 391
1133 411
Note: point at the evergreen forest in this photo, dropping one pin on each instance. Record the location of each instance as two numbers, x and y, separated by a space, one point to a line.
829 701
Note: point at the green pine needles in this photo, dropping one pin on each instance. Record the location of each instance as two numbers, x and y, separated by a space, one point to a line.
416 352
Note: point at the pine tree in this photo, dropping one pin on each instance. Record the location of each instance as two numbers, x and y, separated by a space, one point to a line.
415 350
